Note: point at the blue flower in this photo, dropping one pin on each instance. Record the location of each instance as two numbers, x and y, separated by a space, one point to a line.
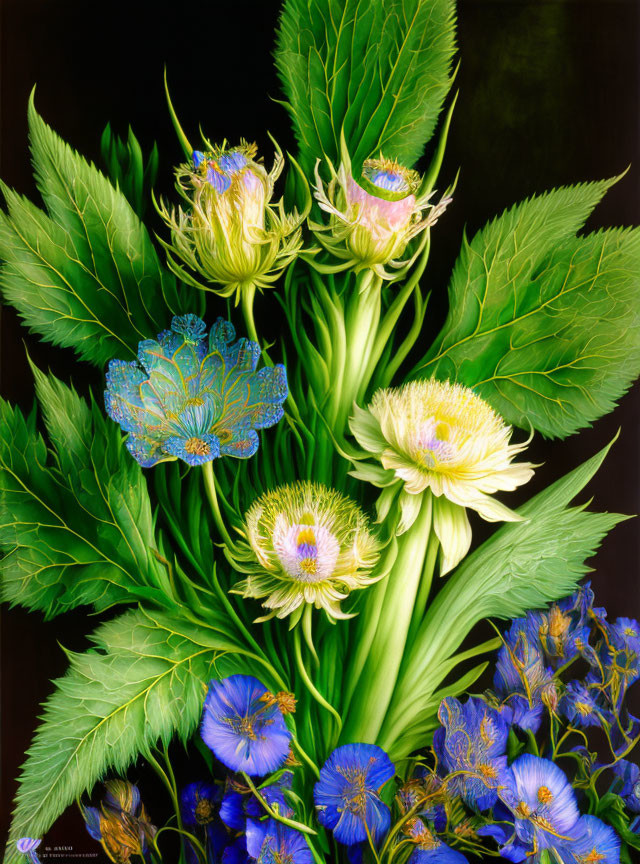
582 705
625 634
563 630
271 842
521 679
628 783
199 807
238 802
542 802
244 726
27 846
193 396
597 843
347 794
429 849
472 740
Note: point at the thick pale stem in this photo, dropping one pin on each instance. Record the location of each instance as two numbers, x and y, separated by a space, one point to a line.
377 682
247 296
363 318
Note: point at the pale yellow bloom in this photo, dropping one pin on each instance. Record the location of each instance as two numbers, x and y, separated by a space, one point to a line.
441 437
231 233
306 545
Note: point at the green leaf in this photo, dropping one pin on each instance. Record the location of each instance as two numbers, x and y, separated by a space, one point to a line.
544 325
379 71
75 522
127 169
85 276
143 682
524 565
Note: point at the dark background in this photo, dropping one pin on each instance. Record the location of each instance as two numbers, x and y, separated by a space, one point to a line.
549 96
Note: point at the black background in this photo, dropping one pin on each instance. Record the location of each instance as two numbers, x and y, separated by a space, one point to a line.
549 96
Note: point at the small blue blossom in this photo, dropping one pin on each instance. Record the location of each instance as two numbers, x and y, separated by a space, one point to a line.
582 705
238 803
597 843
193 396
472 740
562 631
628 783
27 846
542 802
244 726
429 849
347 794
271 842
625 634
521 679
199 807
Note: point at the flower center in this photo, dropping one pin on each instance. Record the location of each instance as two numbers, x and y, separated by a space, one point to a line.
592 857
523 811
307 551
433 443
204 811
355 795
583 708
197 447
488 771
545 795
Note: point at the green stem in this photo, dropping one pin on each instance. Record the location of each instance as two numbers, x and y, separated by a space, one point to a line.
299 826
247 296
363 318
212 496
172 790
297 647
301 752
378 680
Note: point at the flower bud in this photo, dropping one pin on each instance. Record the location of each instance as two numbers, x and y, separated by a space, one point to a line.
372 221
230 233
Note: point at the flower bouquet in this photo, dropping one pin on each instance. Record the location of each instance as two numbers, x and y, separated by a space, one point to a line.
278 535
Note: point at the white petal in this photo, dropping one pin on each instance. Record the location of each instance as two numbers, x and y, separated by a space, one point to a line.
452 530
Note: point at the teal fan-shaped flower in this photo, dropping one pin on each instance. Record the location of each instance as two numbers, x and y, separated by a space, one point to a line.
194 396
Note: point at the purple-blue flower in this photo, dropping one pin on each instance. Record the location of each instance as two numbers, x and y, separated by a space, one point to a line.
521 678
347 794
271 842
596 843
194 396
199 807
625 634
472 740
582 704
542 802
27 846
628 783
429 849
244 726
562 631
238 803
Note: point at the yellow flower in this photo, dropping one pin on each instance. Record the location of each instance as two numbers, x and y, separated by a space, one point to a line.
230 233
372 221
442 437
306 545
